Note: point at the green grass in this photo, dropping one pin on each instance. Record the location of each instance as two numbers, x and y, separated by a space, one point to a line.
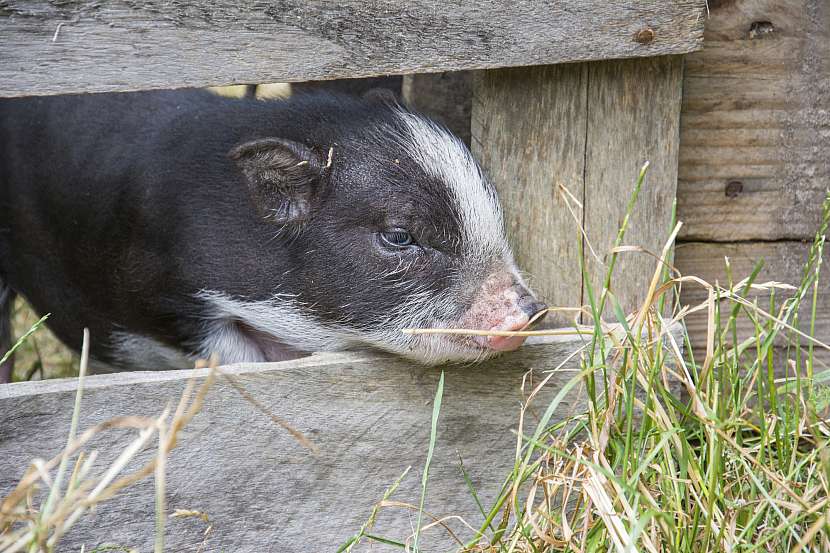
740 464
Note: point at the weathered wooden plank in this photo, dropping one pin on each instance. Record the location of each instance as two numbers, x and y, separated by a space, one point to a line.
528 132
589 127
633 117
77 46
368 414
754 127
783 262
447 97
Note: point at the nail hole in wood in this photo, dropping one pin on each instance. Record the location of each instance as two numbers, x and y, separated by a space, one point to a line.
761 29
733 188
644 36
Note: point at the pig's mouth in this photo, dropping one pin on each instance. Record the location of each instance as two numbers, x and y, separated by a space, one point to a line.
502 304
499 343
457 343
502 343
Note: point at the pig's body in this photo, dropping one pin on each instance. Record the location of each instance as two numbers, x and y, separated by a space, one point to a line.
126 214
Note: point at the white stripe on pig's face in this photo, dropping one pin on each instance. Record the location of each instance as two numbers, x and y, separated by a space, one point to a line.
351 289
444 157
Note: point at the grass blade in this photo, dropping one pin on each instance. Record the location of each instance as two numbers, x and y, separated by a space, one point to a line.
436 410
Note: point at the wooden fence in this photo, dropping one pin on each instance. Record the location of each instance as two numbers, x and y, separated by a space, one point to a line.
753 164
587 125
78 46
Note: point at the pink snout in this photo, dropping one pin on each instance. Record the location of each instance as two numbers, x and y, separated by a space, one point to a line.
510 343
525 308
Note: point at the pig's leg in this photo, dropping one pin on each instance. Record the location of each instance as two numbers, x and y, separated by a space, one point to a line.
6 301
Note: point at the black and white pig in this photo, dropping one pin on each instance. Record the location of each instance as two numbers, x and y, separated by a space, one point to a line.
179 224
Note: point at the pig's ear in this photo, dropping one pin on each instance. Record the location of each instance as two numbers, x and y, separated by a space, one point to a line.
283 177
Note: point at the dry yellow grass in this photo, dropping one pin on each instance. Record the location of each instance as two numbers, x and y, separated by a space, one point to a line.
40 530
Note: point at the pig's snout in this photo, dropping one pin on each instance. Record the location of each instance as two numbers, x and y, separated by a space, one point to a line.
501 303
524 317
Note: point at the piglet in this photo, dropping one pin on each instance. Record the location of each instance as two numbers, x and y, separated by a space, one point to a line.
180 224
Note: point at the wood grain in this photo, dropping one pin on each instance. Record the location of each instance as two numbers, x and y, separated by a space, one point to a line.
368 414
589 127
78 46
528 132
755 124
633 117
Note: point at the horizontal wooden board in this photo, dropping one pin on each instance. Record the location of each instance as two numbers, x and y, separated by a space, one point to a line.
78 46
755 123
783 262
369 415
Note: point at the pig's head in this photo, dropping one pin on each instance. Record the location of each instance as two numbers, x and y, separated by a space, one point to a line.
388 223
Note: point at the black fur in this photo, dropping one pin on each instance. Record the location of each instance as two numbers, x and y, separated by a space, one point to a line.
6 305
115 210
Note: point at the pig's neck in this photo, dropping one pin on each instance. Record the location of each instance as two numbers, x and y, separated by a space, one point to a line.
241 331
236 341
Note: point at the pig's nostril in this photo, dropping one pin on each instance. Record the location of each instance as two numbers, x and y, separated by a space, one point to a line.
531 307
539 313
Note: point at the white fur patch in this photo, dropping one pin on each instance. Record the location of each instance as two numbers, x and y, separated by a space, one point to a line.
230 346
446 158
284 319
280 318
141 353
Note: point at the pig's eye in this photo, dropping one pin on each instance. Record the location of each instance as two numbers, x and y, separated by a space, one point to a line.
397 238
